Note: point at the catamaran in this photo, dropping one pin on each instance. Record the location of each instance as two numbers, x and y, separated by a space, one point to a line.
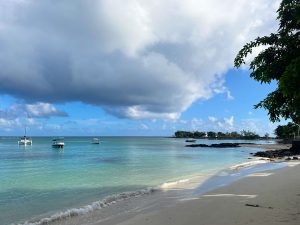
25 140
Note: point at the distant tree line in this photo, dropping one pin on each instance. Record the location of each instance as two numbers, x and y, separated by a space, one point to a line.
220 135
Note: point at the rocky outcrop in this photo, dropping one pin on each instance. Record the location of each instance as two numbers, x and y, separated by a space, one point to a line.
221 145
279 153
293 151
197 145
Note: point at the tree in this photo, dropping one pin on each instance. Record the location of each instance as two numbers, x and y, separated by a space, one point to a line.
221 135
184 134
211 134
267 136
280 62
249 135
235 135
286 131
199 134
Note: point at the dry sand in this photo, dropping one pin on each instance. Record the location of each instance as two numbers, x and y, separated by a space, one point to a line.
275 193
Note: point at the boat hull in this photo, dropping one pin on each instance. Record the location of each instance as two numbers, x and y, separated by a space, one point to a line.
96 141
25 142
58 145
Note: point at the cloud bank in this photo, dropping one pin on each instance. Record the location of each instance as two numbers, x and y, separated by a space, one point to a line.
135 58
38 110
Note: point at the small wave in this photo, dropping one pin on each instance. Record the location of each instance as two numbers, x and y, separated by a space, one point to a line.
247 164
173 184
91 207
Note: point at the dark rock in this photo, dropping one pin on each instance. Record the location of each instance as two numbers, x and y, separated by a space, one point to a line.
278 153
296 144
197 145
221 145
225 145
190 140
252 205
295 158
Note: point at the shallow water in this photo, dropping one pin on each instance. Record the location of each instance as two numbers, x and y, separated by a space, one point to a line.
38 181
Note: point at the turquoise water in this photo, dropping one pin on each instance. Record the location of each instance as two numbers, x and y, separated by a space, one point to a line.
37 181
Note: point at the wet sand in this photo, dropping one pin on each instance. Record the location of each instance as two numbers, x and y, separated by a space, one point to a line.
266 198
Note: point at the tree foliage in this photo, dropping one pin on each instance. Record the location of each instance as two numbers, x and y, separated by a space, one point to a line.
188 134
211 134
220 135
249 135
286 131
279 61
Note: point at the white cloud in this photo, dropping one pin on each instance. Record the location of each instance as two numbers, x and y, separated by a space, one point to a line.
144 127
9 124
196 123
259 126
229 124
136 58
212 119
229 96
37 110
229 121
44 110
220 124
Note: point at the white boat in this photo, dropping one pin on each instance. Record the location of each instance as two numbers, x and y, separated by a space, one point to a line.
25 141
96 141
58 143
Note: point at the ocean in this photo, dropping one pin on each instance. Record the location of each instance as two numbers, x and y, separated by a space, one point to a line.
39 181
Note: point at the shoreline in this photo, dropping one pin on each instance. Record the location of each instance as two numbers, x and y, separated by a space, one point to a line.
107 211
261 198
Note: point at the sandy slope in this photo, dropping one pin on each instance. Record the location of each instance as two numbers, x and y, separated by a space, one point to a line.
277 194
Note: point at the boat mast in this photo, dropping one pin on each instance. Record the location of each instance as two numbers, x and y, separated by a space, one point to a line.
25 126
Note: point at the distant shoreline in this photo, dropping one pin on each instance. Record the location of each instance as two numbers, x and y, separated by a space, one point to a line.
228 138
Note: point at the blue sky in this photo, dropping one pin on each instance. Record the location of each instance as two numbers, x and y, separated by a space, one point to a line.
112 67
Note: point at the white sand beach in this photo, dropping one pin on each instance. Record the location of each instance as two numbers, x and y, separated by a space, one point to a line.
267 198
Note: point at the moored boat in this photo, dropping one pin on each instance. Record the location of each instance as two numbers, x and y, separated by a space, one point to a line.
58 143
25 141
96 141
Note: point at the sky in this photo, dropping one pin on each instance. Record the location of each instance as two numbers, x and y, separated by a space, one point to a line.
130 67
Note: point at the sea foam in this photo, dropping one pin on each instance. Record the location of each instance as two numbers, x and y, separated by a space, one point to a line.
91 207
248 164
